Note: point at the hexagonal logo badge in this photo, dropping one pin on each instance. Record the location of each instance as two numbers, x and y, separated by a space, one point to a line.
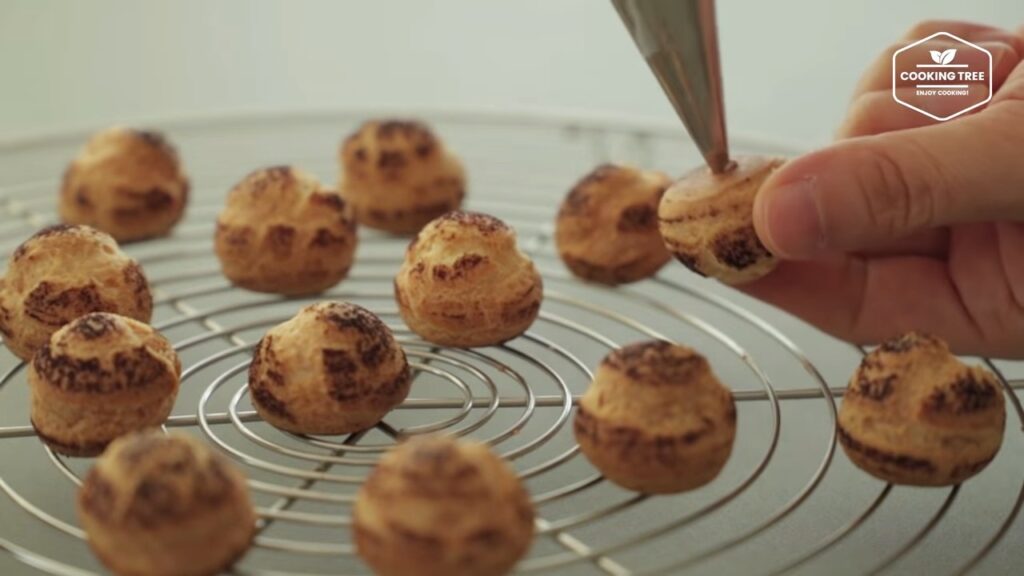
942 76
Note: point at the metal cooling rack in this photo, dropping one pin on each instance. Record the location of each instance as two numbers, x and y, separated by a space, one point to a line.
788 501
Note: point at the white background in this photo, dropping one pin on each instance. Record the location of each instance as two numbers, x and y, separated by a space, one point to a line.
788 64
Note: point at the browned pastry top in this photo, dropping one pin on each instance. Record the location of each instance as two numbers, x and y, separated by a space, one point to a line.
436 506
332 366
135 155
127 182
465 253
915 414
103 353
55 270
915 379
389 148
659 389
281 231
634 189
607 226
399 175
276 201
63 272
148 480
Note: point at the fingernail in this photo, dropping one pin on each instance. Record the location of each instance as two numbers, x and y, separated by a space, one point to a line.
790 214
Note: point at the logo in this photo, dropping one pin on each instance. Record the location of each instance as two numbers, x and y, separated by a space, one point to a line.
942 76
943 58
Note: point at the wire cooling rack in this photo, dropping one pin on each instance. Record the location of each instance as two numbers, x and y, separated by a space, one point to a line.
788 500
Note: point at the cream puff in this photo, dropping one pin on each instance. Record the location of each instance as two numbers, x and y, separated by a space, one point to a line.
127 183
437 506
464 282
61 273
165 506
915 414
101 376
655 419
284 233
398 175
607 227
334 368
707 221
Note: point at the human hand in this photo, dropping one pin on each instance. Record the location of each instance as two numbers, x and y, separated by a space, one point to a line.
906 223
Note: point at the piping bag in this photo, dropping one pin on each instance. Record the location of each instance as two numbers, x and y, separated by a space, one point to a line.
679 41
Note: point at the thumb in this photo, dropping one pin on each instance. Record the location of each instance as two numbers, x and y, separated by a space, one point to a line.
866 191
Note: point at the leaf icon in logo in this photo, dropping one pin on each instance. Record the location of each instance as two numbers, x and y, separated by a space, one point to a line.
948 55
936 56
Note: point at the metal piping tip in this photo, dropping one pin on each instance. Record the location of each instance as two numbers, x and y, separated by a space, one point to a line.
679 40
